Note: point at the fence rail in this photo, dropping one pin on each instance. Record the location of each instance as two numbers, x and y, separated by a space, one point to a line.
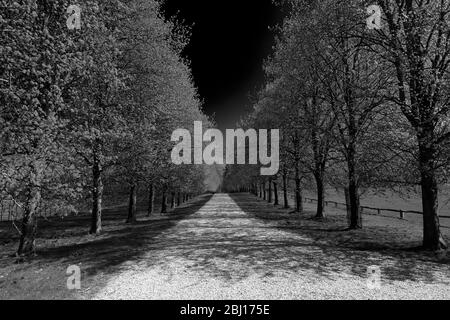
401 213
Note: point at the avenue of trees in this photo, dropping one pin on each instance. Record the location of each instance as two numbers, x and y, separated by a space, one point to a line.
357 107
92 108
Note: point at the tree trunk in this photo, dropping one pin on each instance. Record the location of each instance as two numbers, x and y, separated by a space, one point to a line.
298 191
97 196
164 202
285 191
178 199
172 200
132 205
353 192
432 237
264 191
151 199
275 192
320 195
270 191
27 243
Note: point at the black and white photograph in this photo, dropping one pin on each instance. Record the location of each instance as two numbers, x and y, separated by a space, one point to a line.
225 156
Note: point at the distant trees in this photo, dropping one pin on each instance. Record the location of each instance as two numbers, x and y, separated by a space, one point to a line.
84 106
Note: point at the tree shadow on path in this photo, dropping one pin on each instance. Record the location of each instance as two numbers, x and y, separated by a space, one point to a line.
326 249
62 243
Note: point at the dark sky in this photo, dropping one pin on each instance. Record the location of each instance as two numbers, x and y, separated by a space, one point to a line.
230 40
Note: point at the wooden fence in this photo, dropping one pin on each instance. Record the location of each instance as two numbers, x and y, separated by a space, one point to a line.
379 211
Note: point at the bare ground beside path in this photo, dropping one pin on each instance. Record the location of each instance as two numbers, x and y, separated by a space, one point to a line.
239 247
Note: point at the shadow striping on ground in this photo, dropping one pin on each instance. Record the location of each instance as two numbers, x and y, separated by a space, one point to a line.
339 249
232 240
97 255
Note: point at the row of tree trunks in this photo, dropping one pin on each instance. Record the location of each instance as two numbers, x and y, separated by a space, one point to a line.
249 189
177 198
432 237
298 194
261 192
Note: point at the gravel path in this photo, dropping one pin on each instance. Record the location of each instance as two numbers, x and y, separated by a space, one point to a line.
227 251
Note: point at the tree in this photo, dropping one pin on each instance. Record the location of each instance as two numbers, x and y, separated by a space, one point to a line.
415 41
97 118
38 59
